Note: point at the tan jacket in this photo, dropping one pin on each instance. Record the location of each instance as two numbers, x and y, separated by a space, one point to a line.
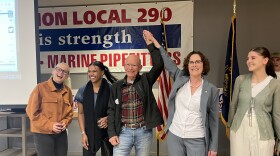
48 105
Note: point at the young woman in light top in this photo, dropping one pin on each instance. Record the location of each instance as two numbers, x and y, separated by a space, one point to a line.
254 116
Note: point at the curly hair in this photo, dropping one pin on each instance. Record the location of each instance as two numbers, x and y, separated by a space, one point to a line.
206 64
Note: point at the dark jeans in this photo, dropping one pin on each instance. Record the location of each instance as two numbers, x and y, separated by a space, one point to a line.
51 144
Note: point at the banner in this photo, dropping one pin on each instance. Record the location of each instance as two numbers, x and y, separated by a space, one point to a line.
79 35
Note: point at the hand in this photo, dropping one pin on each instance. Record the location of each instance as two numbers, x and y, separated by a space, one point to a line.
103 122
114 140
148 37
212 153
57 127
85 141
63 126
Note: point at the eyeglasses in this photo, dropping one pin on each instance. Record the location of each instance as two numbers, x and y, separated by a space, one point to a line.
57 69
195 62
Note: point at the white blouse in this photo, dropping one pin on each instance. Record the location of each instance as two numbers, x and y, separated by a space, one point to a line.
187 121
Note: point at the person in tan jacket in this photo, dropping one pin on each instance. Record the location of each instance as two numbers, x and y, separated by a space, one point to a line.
50 110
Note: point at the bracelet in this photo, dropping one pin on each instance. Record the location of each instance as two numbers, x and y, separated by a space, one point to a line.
83 132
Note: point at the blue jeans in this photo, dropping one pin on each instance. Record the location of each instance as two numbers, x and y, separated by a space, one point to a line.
140 138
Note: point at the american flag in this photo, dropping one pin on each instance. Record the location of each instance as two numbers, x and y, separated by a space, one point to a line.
164 89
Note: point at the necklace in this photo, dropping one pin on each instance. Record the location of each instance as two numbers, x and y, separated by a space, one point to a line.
193 86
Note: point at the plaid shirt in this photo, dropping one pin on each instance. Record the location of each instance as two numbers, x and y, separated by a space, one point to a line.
132 107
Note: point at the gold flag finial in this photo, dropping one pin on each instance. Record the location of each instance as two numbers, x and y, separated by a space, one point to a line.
234 7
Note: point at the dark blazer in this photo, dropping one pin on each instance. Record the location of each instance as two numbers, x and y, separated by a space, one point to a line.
143 85
209 104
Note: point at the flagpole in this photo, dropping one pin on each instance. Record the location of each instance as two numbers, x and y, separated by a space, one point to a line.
231 70
234 7
165 44
232 49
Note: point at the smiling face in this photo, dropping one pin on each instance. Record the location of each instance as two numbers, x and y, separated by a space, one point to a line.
60 73
95 74
195 66
132 67
256 62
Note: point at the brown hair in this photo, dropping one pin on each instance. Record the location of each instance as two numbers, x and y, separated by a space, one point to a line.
206 64
266 54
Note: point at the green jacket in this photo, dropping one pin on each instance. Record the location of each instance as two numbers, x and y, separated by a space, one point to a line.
266 105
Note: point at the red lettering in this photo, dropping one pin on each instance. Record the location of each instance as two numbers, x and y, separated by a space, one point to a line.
52 62
71 61
176 56
124 19
110 58
124 55
99 16
89 17
85 60
103 58
167 14
76 21
114 16
169 54
92 56
78 61
62 58
117 58
144 59
47 19
60 18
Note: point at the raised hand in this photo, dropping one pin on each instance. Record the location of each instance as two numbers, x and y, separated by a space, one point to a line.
149 38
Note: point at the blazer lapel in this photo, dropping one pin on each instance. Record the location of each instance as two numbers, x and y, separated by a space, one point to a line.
204 99
177 85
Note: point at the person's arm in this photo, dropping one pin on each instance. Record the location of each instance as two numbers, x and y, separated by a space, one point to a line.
113 101
169 64
81 120
158 65
33 111
234 102
214 123
276 114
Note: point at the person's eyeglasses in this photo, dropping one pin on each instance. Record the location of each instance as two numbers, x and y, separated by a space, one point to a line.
57 69
195 62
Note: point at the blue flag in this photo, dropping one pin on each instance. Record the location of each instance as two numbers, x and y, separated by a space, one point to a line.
231 70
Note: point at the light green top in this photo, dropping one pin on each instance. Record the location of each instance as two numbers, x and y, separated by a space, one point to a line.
266 105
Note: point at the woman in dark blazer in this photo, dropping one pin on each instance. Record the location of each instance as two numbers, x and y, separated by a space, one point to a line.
92 100
193 106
